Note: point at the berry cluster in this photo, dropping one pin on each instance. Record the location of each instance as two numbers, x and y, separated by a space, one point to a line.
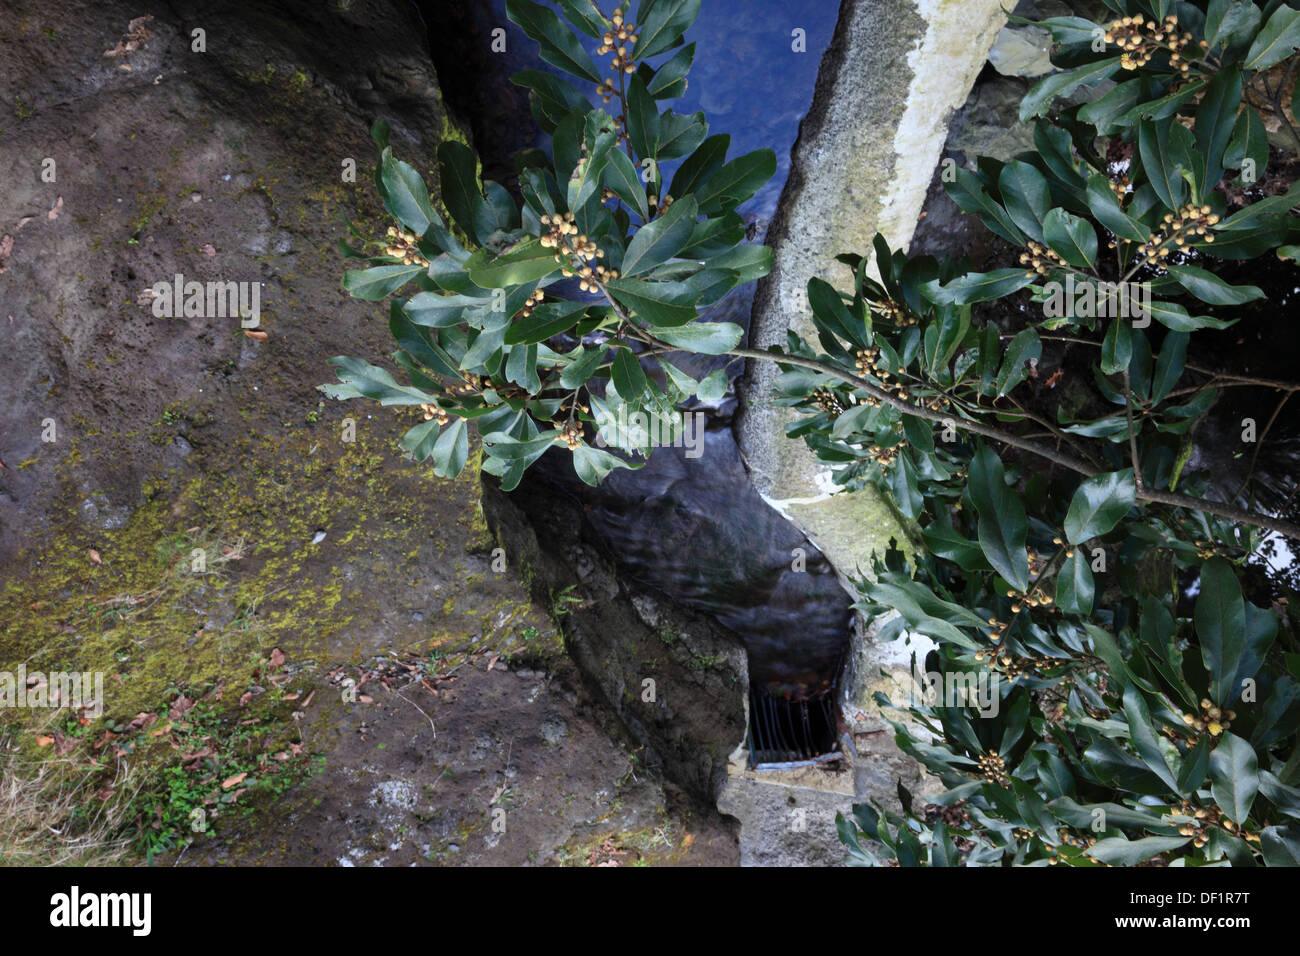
1140 40
404 247
827 400
1192 222
1211 719
882 456
571 434
616 41
1040 259
433 411
893 312
993 769
575 252
533 301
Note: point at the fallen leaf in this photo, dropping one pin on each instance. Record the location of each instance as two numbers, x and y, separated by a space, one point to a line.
209 249
93 555
307 703
22 222
54 210
44 741
247 696
180 706
277 658
234 781
366 699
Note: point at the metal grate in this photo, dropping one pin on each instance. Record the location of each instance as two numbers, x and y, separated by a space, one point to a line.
788 731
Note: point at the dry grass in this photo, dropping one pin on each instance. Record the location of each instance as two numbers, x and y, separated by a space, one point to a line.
51 813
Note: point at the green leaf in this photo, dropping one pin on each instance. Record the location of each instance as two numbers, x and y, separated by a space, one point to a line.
1025 348
1001 527
1144 737
1044 91
978 286
584 15
680 134
1277 41
451 451
360 379
707 338
621 176
1026 196
1196 764
661 239
1234 777
712 387
1103 642
560 47
642 120
660 30
669 81
375 283
657 303
1098 505
1074 585
1157 163
1216 115
629 378
830 313
1220 615
406 196
701 164
1173 316
1071 238
735 181
1169 366
1227 20
458 182
1280 845
526 262
582 368
1119 851
1116 347
546 320
969 194
1208 287
593 464
1249 141
1105 206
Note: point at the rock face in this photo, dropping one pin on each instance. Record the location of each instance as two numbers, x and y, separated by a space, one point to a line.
127 169
894 74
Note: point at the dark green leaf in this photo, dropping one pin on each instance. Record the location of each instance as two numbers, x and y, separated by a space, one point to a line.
1001 527
1098 505
1234 777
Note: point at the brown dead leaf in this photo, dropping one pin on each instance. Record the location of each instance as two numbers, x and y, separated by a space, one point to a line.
366 699
94 556
54 210
245 698
180 706
277 659
307 703
257 335
209 249
44 741
6 247
234 781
